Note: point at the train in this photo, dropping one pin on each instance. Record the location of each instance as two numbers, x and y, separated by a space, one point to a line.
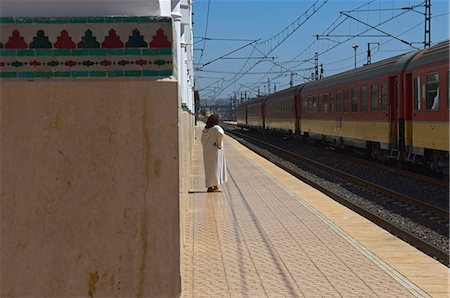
396 109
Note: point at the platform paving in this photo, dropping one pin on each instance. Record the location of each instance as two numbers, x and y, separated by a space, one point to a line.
262 238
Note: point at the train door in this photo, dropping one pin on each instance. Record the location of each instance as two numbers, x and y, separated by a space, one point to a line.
392 114
297 114
407 100
246 114
263 113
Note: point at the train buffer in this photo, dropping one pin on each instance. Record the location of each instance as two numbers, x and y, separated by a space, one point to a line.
270 235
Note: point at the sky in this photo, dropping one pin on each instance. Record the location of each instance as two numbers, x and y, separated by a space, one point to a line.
244 48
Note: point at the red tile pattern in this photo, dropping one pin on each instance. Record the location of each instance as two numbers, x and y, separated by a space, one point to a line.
16 41
112 40
64 41
160 40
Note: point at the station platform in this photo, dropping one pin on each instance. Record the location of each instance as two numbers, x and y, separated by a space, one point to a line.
271 235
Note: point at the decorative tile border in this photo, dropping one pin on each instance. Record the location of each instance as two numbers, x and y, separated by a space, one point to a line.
85 47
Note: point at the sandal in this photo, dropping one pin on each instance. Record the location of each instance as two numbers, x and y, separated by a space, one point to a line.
210 189
217 189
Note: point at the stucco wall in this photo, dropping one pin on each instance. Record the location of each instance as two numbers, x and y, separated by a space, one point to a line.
186 145
89 188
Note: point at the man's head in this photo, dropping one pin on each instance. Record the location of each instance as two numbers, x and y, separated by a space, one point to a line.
212 120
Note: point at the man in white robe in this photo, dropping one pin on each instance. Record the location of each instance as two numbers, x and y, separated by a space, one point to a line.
213 154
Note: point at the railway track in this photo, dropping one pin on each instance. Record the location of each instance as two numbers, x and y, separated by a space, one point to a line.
412 175
388 198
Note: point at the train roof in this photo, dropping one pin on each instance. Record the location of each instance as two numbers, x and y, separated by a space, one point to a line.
257 100
383 67
408 61
438 53
290 90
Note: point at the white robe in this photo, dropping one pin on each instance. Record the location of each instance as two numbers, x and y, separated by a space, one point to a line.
214 156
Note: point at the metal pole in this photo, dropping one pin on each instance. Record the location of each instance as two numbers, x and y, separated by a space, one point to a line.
316 66
355 46
427 38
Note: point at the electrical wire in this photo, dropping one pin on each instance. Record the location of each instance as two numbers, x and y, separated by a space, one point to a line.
294 63
206 32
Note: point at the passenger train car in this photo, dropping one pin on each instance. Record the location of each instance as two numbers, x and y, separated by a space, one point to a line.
281 111
255 111
396 109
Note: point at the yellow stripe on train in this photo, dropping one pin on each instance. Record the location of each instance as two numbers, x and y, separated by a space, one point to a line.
433 135
369 131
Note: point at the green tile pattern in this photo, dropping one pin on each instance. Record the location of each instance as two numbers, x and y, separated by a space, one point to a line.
80 74
86 52
139 59
82 20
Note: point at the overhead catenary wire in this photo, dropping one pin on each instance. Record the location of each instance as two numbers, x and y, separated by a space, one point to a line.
322 47
229 53
350 38
263 78
221 39
380 23
206 31
287 31
382 31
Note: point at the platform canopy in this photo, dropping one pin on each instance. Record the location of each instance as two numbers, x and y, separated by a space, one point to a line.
83 8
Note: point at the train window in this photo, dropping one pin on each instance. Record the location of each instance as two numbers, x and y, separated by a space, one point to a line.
374 98
346 95
338 101
310 104
364 99
383 91
433 91
325 103
354 100
314 103
417 95
448 90
305 104
319 103
331 103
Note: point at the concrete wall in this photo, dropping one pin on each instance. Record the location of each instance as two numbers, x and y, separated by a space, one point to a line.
187 125
89 188
186 145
